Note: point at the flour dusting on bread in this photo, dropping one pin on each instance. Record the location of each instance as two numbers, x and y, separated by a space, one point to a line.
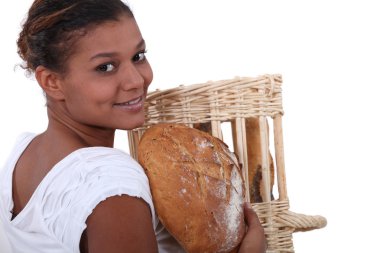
197 187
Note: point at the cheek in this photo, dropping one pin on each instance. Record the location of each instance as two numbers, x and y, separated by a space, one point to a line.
147 74
103 92
85 95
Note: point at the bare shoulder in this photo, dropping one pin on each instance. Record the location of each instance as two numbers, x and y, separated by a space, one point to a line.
120 224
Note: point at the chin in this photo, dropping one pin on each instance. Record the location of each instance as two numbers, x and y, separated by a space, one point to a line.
133 124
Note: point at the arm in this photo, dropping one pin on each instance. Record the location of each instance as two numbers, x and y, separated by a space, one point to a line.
254 240
120 224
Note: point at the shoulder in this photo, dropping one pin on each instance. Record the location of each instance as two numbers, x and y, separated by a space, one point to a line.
103 168
119 224
100 164
104 156
92 179
90 175
22 141
98 172
122 215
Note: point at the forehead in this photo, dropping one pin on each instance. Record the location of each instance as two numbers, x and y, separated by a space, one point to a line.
122 35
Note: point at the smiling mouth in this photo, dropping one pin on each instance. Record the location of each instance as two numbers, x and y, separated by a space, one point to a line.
132 102
135 104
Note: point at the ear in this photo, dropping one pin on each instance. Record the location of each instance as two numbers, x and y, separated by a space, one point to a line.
50 82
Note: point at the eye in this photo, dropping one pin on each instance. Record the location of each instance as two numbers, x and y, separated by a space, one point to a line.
106 67
139 57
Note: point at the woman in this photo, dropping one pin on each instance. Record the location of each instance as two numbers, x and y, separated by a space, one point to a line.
67 189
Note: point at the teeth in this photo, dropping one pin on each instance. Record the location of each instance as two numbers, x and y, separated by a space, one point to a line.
133 101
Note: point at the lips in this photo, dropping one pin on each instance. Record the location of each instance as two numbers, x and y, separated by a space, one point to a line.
131 105
131 102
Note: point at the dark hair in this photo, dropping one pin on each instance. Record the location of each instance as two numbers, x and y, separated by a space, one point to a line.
52 28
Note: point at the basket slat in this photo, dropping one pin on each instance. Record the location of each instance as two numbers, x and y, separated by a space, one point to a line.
280 161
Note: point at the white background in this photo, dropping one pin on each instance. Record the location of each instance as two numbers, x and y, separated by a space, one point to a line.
329 55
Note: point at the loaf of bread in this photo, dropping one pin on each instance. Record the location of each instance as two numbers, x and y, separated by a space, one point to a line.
197 187
255 163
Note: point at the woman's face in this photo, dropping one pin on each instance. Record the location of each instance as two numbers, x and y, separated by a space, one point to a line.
107 77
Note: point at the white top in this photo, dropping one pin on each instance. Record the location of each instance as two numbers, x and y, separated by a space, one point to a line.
55 217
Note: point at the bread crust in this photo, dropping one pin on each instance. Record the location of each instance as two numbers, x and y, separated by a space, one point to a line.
254 154
197 187
255 162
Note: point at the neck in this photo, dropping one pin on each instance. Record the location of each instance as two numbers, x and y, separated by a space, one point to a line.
62 127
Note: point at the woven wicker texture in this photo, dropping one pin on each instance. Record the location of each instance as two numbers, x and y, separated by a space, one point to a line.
221 100
234 101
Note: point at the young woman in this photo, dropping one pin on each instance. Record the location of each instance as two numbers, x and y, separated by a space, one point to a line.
67 189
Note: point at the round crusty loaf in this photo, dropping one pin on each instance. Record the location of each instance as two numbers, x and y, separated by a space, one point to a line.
197 187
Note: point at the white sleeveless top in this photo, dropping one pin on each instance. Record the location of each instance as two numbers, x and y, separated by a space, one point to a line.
55 217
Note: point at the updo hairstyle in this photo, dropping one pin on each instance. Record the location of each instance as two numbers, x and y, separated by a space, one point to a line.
52 28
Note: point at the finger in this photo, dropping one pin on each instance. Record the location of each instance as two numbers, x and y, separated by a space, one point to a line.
254 225
250 215
255 240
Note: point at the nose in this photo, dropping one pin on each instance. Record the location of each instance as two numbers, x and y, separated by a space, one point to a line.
132 78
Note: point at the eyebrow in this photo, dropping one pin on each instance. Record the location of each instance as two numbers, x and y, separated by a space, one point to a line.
111 54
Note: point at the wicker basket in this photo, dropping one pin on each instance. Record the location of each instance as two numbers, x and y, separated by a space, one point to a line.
233 101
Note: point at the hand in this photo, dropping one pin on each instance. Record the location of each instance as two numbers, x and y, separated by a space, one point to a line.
254 240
